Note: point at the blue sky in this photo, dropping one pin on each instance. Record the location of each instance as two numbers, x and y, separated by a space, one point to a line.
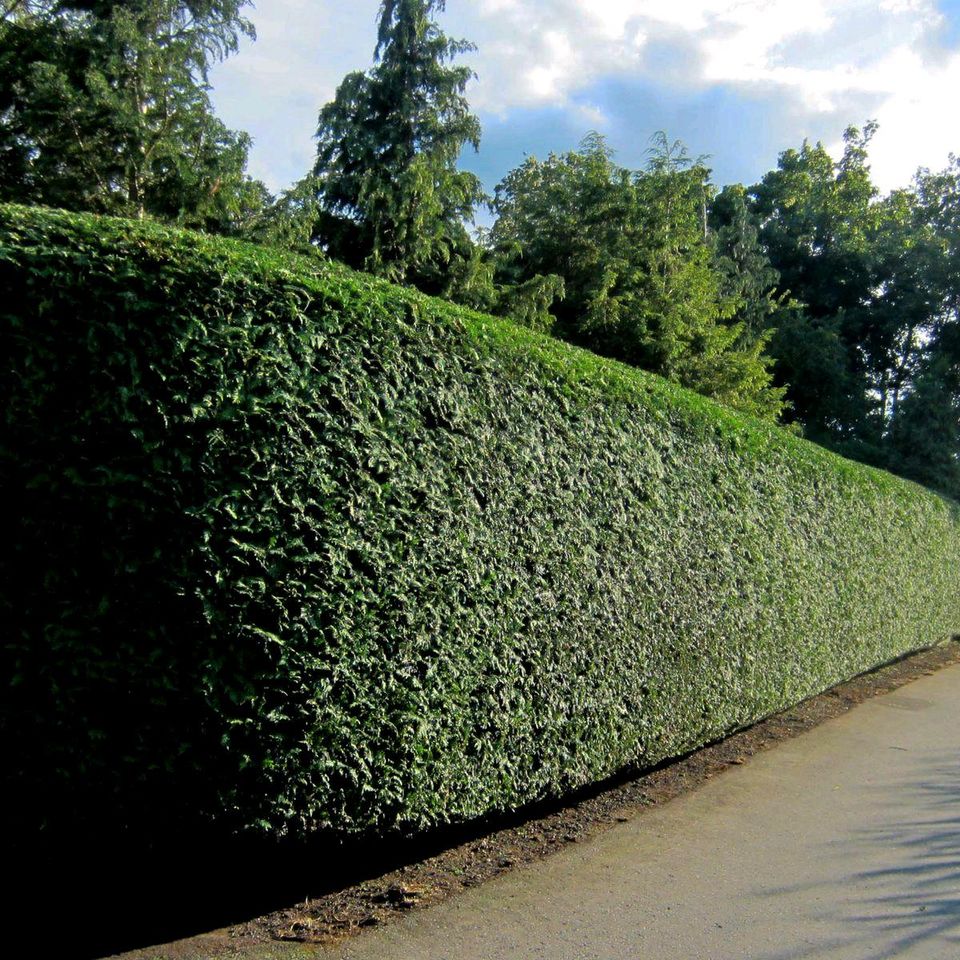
737 80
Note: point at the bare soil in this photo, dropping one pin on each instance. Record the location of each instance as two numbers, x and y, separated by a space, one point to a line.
533 835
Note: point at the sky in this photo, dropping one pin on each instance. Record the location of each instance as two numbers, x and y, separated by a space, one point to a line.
737 81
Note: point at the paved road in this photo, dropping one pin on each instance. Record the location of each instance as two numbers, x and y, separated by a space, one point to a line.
843 844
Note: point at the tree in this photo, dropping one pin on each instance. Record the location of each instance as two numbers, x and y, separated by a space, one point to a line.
289 220
820 222
938 210
925 434
633 250
105 108
561 217
747 278
867 346
390 196
925 427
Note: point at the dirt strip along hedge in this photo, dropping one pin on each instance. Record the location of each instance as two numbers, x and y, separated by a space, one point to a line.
300 551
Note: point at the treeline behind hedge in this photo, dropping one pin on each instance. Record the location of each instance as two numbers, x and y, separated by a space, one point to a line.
303 551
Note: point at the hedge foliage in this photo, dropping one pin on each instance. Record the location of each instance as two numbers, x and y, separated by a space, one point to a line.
302 550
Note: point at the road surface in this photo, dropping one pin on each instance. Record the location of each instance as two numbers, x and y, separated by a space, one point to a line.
841 844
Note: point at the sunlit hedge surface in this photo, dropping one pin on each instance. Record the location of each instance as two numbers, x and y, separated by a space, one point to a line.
300 550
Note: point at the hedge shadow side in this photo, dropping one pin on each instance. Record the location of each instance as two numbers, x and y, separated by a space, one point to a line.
303 551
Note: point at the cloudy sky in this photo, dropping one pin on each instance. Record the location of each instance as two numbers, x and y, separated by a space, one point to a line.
738 80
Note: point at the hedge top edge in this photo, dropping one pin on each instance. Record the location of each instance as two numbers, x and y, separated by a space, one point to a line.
572 367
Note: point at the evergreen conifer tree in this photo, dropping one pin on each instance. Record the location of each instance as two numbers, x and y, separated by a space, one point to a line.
104 107
390 196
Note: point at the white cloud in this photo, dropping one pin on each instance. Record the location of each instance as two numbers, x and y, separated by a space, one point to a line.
917 123
903 6
821 58
274 88
741 45
536 53
547 79
825 56
612 16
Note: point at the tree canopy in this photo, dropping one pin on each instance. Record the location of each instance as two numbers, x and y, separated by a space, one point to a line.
633 249
104 107
866 354
390 196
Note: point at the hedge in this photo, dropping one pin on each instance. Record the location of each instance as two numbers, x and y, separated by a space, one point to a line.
299 550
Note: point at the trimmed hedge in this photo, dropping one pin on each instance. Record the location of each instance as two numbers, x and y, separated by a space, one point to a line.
301 550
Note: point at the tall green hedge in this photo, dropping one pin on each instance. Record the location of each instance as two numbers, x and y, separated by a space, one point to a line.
300 550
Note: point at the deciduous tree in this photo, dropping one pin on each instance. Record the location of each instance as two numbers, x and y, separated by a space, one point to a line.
634 253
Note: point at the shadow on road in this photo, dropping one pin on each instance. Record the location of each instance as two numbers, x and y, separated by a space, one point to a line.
907 901
97 899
